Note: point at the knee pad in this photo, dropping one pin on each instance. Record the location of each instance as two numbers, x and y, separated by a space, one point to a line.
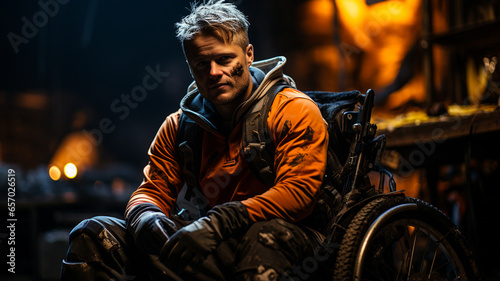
95 228
97 248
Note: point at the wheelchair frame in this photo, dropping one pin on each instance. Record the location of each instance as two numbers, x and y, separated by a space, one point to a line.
388 236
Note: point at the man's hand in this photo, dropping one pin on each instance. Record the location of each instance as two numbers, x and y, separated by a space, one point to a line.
149 227
193 243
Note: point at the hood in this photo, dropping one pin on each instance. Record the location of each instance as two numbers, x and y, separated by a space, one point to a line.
264 74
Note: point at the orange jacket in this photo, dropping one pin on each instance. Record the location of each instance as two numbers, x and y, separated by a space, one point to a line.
299 134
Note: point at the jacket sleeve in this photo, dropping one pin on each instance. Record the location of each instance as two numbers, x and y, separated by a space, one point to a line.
301 140
162 175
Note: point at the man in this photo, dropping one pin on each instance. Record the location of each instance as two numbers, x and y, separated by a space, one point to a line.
252 231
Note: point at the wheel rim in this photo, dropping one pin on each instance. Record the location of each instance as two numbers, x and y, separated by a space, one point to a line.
406 249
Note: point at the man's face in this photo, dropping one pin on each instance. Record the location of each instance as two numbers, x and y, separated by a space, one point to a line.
220 70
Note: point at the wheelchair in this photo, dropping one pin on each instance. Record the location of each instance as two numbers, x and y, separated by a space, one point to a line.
381 234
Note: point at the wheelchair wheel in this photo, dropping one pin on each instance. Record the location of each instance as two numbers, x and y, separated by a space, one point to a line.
401 238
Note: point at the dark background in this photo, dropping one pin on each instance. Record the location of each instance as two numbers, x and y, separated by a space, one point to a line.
85 57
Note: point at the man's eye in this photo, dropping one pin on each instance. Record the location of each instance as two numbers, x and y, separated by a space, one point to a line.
201 63
224 59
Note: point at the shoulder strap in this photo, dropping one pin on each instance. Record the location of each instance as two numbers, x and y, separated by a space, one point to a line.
256 142
189 143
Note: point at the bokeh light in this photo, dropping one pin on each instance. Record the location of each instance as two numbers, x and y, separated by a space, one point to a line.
54 173
70 170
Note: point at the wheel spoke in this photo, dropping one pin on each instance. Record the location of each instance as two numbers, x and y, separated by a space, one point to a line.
424 263
433 261
404 245
412 254
377 251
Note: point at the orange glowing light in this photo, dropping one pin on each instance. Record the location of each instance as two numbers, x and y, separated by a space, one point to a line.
70 170
54 173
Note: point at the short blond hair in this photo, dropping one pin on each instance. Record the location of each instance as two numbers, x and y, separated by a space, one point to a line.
217 18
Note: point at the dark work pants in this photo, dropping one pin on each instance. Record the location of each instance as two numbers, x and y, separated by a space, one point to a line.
101 248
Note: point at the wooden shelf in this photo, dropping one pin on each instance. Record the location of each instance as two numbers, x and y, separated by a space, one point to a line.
442 130
480 36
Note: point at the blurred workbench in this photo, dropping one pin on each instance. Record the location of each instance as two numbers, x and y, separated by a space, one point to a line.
461 121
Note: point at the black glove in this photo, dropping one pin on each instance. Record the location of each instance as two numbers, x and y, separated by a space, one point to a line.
191 245
149 227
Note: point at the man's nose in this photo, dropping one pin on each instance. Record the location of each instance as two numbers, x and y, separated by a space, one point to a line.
215 69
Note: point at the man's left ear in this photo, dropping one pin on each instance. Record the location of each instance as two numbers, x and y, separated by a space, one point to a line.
249 53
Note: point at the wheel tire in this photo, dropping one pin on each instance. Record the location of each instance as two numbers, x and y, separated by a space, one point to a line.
402 238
